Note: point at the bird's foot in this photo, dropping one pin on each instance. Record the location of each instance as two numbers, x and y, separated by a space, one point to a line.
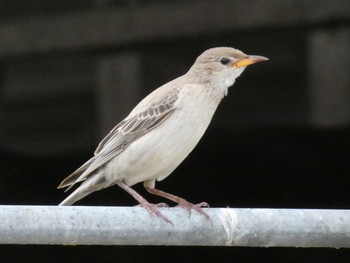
153 210
181 202
196 207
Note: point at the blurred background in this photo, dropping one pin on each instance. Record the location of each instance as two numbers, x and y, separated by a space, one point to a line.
71 70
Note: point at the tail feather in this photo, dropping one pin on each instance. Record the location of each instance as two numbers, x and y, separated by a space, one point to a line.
92 184
74 197
79 193
76 176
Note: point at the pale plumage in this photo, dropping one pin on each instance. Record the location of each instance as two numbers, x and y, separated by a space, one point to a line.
161 130
127 131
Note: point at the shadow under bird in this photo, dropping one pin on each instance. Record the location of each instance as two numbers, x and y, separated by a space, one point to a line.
161 131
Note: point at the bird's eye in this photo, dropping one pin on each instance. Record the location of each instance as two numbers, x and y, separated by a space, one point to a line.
225 61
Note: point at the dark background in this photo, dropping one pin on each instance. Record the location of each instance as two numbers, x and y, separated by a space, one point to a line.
70 70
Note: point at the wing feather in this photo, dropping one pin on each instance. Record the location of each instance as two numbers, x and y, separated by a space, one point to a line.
122 135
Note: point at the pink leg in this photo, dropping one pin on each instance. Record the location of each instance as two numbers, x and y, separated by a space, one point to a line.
151 208
182 202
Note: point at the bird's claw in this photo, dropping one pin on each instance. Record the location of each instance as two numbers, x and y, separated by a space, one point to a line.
196 207
152 209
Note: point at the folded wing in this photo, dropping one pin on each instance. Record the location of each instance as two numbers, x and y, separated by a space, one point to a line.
122 135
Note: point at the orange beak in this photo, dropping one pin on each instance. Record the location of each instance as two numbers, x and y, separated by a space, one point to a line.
248 61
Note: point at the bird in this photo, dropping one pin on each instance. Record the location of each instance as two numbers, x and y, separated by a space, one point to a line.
161 131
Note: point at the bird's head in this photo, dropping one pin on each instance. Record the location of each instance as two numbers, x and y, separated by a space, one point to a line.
221 66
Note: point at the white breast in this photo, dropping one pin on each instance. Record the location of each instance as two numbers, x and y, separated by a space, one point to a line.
159 152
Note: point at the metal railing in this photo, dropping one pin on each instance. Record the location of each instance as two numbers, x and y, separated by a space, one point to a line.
79 225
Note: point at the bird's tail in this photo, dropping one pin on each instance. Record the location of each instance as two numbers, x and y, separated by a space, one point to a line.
91 184
75 196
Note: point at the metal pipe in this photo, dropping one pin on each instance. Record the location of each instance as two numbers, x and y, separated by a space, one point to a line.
82 225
